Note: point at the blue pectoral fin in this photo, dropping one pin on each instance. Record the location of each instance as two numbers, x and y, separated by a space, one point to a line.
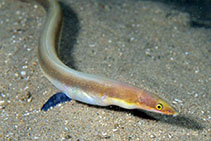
54 100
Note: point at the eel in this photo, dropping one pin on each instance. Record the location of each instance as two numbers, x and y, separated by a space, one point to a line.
88 88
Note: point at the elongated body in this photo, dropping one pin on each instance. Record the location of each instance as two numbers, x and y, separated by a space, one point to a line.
84 87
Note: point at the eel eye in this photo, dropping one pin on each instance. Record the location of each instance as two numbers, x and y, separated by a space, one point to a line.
159 106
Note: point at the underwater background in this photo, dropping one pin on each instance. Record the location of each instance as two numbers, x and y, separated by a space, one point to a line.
163 46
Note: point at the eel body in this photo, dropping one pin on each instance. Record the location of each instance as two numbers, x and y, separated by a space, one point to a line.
87 88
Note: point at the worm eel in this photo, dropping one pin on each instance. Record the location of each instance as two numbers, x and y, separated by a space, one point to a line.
87 88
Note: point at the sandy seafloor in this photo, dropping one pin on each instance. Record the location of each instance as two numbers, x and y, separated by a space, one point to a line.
145 43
